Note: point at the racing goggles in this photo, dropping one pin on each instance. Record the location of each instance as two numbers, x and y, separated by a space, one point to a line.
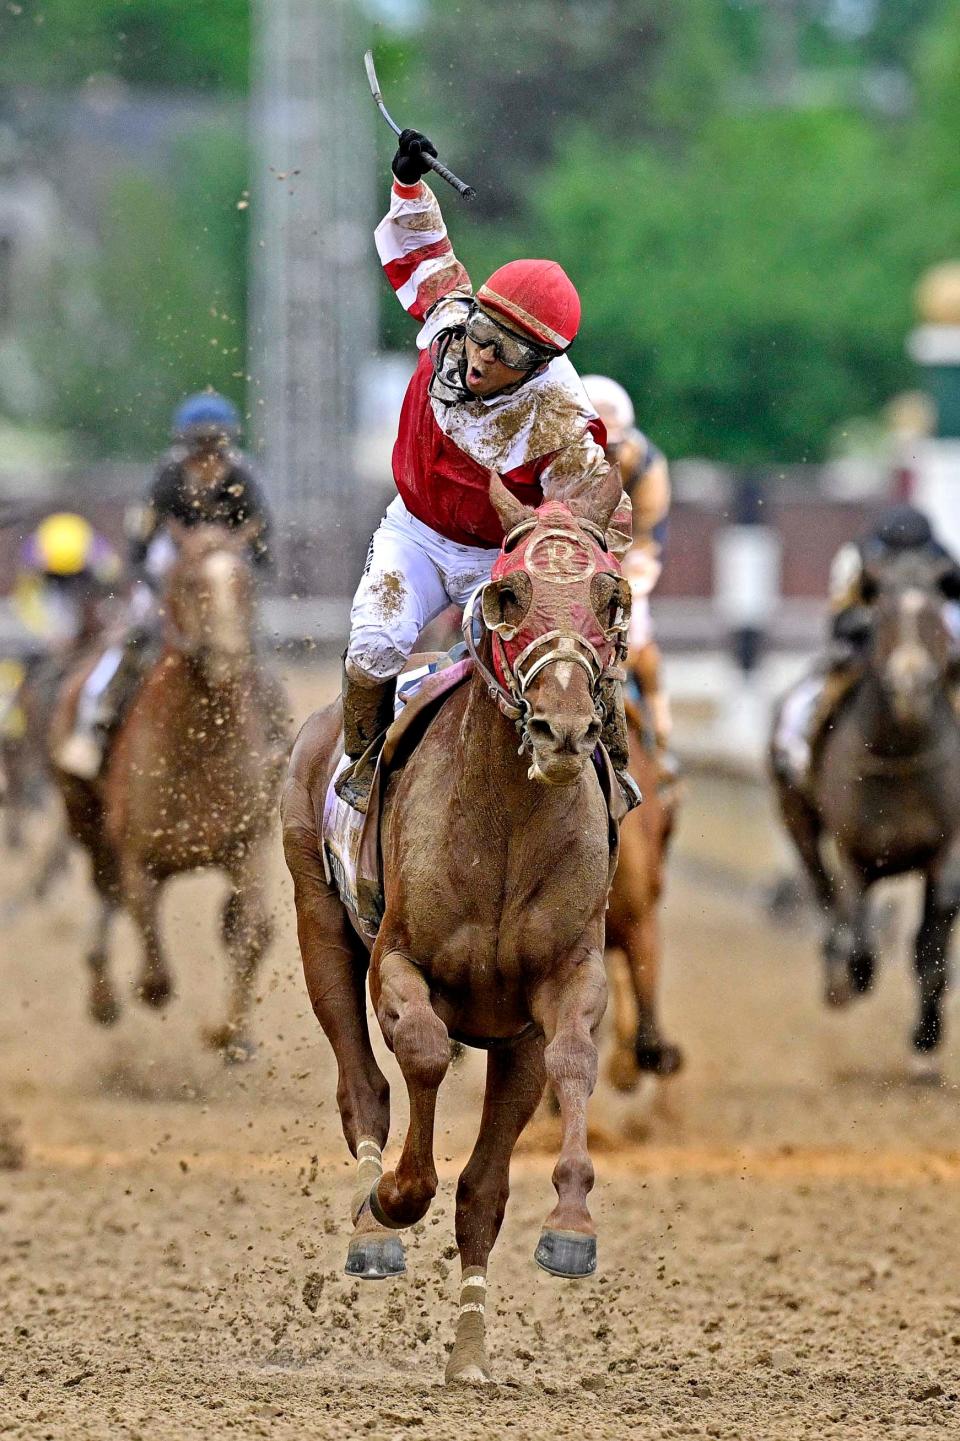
507 347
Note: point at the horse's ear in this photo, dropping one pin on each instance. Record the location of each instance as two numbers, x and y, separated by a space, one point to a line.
512 512
612 599
599 505
504 603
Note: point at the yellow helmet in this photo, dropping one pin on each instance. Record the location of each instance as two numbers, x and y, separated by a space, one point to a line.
62 544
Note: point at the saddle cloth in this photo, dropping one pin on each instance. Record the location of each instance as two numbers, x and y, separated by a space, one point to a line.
351 841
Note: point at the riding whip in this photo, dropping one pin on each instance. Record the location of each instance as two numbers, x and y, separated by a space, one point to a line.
460 186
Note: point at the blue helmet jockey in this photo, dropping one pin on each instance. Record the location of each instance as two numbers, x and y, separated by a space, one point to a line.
206 416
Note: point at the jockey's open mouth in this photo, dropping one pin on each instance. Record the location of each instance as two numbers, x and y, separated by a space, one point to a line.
496 358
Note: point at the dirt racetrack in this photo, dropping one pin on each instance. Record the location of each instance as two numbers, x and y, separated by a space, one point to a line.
779 1226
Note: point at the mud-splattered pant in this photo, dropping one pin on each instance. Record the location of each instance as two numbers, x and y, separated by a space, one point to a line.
412 574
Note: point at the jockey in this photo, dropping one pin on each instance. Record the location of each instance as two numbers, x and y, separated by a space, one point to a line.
65 569
493 389
813 702
202 480
646 481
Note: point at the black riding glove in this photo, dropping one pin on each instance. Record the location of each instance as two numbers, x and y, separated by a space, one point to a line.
408 163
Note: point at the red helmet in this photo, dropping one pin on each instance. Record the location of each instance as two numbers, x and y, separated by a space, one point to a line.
536 297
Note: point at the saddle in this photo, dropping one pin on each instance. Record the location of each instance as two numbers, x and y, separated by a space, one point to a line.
352 855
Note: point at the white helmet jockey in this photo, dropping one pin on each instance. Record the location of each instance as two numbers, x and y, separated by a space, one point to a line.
612 404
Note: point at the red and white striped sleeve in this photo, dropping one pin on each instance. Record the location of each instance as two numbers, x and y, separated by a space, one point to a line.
415 250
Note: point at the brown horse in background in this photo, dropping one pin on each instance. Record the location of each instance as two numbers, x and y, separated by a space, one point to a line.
24 749
191 778
633 927
497 866
885 790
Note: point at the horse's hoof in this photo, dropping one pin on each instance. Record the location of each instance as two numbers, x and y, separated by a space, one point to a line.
924 1069
660 1060
622 1071
104 1010
239 1051
862 968
235 1048
155 993
566 1253
375 1258
470 1375
838 992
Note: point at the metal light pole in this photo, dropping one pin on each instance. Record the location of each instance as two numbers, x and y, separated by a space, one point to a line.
313 273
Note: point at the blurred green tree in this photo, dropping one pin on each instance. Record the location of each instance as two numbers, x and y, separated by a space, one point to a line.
164 44
170 287
750 294
500 85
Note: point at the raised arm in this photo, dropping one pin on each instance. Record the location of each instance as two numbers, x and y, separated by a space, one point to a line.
576 470
412 240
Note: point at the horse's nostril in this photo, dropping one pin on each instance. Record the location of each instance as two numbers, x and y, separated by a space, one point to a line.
540 729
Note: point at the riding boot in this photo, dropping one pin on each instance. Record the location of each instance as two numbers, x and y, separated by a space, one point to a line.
367 712
615 739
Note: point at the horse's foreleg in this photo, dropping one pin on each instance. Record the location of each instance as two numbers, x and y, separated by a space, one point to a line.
847 950
623 1073
804 829
103 1004
568 1009
931 956
335 971
247 932
419 1040
515 1079
141 894
642 946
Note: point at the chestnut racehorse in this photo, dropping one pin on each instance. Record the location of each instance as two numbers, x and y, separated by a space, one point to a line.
497 864
191 779
633 927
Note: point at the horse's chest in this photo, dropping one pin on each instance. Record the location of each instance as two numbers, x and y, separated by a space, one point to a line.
192 798
902 819
496 914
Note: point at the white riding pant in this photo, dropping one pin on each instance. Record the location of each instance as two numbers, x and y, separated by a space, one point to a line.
642 571
791 739
411 574
141 610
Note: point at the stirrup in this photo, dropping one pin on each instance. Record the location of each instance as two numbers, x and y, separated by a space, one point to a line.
354 784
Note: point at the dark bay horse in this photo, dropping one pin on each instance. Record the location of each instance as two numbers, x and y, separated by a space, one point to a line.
497 866
886 792
191 779
633 928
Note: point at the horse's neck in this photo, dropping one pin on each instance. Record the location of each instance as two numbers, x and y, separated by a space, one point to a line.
885 733
493 773
219 707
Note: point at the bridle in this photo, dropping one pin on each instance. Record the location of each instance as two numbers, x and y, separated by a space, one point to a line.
544 650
